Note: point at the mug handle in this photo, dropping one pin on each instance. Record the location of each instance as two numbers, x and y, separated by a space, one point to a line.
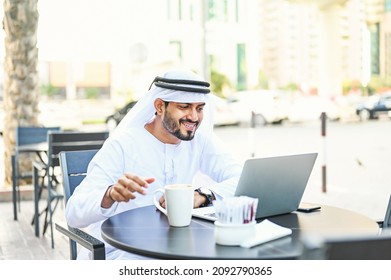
156 201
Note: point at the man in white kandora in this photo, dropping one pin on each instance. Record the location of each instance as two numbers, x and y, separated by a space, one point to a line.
160 141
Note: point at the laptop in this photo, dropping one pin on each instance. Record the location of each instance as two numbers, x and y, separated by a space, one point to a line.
278 183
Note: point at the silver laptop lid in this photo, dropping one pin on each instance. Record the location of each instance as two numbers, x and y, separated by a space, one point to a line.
278 182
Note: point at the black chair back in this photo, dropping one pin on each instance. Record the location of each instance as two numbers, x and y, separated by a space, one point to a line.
357 247
61 142
73 141
376 247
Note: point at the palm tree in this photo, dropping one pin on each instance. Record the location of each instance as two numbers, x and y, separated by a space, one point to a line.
20 73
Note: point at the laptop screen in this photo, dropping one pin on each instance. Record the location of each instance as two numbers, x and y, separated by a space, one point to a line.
278 182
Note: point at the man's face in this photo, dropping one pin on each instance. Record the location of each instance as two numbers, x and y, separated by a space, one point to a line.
183 119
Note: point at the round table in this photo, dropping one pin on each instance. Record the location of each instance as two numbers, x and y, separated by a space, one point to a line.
146 231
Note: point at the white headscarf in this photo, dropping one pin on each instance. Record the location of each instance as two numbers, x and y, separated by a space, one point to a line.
144 111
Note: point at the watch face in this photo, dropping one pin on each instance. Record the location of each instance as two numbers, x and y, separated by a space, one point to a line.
206 191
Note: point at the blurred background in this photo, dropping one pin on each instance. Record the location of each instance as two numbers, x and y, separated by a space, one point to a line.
272 64
321 55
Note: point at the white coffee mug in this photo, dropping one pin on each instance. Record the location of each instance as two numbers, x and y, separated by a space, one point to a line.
179 203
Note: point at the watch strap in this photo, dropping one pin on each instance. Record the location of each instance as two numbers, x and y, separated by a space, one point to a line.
208 198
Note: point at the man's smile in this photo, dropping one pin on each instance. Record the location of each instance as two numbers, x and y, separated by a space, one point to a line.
189 125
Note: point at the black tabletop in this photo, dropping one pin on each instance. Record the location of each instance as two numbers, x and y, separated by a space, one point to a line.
146 231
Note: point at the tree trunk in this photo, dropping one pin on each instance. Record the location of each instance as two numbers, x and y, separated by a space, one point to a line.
20 74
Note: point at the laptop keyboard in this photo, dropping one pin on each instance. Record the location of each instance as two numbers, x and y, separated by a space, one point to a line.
213 215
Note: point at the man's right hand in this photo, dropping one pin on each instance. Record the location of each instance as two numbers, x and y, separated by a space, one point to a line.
124 189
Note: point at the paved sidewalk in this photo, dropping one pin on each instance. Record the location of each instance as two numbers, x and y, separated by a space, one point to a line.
17 238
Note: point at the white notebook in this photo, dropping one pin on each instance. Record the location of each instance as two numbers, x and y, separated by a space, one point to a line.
266 231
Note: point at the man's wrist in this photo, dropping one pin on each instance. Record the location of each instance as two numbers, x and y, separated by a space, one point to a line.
107 200
208 194
109 193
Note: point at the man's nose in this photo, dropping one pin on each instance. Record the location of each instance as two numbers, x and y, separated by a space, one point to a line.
193 115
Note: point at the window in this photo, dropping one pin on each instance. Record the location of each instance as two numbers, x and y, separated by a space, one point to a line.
174 9
241 66
387 5
375 51
388 55
217 10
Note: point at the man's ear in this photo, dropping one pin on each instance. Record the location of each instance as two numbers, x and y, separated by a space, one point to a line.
159 106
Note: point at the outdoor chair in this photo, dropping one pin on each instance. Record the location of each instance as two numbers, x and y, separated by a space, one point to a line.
357 247
74 167
25 138
370 247
58 142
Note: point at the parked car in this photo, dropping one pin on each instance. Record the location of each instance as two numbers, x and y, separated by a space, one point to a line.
310 108
114 119
224 112
260 107
374 107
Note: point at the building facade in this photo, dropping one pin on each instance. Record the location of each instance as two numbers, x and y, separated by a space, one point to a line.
118 46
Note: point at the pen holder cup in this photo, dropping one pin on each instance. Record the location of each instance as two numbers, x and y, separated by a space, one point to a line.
233 234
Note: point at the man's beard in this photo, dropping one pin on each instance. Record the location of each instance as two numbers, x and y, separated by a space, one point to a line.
172 127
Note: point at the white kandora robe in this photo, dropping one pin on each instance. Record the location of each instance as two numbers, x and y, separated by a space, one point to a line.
137 151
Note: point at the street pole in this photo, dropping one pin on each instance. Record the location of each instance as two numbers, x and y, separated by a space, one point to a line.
251 134
323 118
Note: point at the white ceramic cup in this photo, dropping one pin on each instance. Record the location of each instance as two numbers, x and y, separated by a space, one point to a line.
179 203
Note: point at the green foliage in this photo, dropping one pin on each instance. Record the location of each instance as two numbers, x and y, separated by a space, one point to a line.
346 87
263 80
291 86
352 85
378 84
91 92
218 82
49 90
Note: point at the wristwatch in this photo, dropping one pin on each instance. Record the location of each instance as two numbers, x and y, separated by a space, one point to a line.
209 196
